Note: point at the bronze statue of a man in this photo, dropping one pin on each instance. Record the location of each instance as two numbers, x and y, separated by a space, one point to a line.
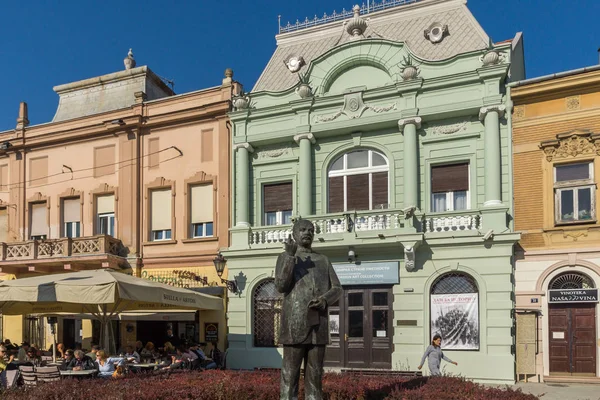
309 285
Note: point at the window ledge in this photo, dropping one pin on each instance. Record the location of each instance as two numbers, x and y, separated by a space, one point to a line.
561 225
159 242
201 239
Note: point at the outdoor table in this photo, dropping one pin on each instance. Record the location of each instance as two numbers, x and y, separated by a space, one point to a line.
82 373
144 366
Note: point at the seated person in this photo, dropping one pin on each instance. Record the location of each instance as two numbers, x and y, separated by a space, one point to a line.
81 362
207 363
9 346
131 355
60 348
93 351
69 356
106 365
22 355
168 349
149 351
33 358
216 355
5 359
139 346
182 359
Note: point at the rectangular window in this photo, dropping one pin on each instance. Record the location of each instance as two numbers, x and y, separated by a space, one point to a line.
277 204
575 189
450 187
202 211
105 215
38 222
164 234
3 224
71 209
161 212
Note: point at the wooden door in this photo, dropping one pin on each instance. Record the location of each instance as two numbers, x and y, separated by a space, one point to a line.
572 342
357 334
380 306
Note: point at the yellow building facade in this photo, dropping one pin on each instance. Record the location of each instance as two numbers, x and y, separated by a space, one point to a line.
556 146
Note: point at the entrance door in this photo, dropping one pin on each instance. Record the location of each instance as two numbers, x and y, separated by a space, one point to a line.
360 328
69 333
573 339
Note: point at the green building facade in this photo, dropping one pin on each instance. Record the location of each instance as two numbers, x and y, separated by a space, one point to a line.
389 129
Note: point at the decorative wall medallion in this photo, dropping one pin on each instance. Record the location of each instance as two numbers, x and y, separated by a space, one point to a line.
519 112
436 32
448 129
571 145
572 103
272 152
353 108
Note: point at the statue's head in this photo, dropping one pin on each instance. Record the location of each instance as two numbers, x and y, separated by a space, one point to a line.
303 232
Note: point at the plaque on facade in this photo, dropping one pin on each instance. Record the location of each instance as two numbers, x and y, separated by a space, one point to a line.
367 273
211 331
573 296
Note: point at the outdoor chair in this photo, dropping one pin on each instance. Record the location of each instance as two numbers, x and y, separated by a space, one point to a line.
9 378
28 375
223 360
47 374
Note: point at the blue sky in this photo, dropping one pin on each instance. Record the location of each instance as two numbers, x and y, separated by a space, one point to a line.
47 43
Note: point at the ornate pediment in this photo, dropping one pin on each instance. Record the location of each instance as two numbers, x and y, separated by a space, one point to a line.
353 108
572 144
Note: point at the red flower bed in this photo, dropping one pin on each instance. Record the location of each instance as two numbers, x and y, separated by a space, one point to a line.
232 385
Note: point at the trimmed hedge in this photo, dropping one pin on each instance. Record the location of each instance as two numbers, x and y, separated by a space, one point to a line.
237 385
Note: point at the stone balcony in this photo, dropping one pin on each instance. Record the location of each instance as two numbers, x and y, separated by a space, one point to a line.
61 255
452 221
331 226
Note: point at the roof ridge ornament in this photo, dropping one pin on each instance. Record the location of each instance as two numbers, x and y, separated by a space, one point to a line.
356 26
129 61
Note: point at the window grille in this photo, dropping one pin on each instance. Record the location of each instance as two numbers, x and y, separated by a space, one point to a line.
572 280
453 283
267 314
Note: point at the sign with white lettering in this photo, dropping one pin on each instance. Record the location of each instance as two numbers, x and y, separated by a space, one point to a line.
367 273
573 296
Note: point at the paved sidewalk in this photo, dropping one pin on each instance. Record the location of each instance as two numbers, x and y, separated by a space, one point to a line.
561 391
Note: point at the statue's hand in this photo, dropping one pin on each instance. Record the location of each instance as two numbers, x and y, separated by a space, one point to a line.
319 303
290 246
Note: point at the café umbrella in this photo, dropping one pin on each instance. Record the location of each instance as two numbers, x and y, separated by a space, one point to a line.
99 293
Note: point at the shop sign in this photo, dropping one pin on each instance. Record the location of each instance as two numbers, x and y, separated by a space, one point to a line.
211 332
573 296
367 273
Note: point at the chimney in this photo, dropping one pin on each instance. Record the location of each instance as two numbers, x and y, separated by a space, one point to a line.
22 120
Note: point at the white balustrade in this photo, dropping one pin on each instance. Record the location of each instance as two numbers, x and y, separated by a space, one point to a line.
452 223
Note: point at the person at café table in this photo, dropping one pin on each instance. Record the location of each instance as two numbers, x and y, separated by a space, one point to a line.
81 362
149 351
93 351
106 365
3 361
32 357
182 358
22 354
131 355
139 346
208 362
69 356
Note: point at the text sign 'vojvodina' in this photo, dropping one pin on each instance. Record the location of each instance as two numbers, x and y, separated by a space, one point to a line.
573 296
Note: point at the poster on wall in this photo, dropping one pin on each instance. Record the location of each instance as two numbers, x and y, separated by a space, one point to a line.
456 318
334 324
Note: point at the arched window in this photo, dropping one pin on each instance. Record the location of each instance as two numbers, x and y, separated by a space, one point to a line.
455 311
572 280
267 303
358 180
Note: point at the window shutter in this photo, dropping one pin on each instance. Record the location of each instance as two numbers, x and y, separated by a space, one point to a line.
39 224
380 190
202 203
71 210
161 210
572 172
277 197
105 204
336 194
3 224
357 192
450 178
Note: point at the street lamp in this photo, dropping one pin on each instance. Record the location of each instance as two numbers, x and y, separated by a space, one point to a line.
220 262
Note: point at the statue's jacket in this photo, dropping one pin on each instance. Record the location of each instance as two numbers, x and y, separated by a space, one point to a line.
306 276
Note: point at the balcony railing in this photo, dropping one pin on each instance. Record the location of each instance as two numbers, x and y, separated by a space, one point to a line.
329 224
64 247
466 220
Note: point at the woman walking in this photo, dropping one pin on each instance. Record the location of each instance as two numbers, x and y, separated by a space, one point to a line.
435 355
